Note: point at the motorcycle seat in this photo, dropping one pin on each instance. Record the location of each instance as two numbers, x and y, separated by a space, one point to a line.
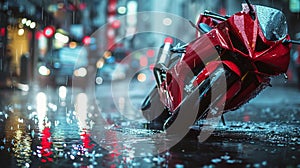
204 27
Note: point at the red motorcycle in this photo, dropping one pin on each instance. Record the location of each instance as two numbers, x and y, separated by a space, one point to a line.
229 64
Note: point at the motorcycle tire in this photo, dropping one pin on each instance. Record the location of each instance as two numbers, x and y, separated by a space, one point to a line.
200 100
154 111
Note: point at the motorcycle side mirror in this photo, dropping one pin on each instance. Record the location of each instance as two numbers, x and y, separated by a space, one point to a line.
252 12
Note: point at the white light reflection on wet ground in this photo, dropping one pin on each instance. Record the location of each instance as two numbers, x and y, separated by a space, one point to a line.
70 142
62 92
21 146
41 109
81 110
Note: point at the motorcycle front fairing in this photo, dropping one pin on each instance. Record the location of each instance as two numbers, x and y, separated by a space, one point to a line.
238 40
248 43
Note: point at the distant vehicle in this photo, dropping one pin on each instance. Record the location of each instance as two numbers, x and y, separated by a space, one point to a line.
62 65
111 72
120 53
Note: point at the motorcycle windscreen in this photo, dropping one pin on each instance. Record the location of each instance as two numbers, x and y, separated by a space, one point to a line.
272 22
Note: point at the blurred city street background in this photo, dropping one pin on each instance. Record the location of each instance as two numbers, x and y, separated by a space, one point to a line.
73 69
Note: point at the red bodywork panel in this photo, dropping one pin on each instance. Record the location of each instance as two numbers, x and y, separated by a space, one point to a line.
239 36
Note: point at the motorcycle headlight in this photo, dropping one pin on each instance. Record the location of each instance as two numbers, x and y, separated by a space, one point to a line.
43 70
81 72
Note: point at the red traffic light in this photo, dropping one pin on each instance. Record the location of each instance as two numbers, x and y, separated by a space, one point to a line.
49 31
86 40
2 31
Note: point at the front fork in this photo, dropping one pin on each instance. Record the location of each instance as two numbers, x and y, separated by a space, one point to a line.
164 61
160 74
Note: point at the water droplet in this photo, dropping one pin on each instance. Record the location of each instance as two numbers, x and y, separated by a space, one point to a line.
147 160
32 133
264 163
76 164
216 160
60 154
179 166
230 161
98 155
29 107
256 165
226 157
20 120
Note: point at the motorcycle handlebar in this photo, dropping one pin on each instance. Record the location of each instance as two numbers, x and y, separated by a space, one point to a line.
215 15
285 41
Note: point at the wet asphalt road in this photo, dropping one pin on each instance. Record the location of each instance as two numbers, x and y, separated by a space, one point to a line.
61 128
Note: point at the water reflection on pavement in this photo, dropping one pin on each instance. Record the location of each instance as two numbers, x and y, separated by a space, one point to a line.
60 128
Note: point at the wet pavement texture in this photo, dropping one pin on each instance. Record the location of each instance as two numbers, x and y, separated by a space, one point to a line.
60 128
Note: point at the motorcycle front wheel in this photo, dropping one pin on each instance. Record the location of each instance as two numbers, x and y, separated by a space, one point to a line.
201 100
152 108
154 111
